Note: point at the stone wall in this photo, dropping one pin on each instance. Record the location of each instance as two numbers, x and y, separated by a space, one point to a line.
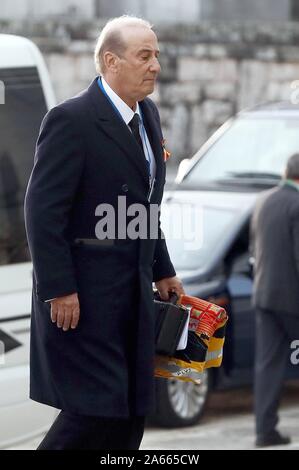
21 9
209 71
157 11
265 10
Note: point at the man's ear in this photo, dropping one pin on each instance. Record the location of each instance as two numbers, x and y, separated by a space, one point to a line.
111 61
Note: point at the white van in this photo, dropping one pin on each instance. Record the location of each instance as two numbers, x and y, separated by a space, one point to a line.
25 96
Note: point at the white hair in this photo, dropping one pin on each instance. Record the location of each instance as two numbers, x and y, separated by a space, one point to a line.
111 38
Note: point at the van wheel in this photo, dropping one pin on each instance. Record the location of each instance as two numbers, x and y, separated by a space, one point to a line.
181 403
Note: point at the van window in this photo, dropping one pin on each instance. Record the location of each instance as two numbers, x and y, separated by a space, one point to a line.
20 119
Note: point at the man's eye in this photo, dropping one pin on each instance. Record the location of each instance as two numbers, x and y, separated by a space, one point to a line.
145 57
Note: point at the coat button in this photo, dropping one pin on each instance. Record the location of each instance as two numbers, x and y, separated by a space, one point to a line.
125 188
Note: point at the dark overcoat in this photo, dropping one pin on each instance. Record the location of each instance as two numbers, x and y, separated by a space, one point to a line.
87 156
275 247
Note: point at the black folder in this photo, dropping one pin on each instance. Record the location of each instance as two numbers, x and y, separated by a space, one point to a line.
170 322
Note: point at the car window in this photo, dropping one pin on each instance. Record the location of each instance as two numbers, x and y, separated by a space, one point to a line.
251 148
196 239
20 118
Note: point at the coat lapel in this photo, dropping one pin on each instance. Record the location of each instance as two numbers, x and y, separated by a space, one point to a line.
114 126
154 134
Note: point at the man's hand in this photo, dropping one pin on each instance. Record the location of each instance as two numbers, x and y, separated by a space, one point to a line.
65 311
169 284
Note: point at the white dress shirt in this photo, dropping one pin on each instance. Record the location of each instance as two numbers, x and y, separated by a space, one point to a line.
127 114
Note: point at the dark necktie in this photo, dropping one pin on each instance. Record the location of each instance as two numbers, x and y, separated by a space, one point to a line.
134 126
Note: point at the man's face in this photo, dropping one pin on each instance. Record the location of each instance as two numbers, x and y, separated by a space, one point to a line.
138 67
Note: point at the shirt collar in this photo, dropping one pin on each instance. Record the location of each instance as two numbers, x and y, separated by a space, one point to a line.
124 110
292 183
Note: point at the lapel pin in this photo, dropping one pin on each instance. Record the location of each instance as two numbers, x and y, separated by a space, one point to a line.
166 153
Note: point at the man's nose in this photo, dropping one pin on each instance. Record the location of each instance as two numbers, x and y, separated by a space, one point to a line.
155 66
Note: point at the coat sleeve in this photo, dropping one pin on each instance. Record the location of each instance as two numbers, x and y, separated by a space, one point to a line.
252 230
54 181
295 235
163 266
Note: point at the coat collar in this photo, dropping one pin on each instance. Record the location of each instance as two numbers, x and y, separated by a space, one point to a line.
290 184
125 111
154 134
114 126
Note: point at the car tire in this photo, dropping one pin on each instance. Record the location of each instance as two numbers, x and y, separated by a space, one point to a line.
179 403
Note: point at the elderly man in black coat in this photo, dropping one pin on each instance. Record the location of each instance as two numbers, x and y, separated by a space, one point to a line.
100 157
275 246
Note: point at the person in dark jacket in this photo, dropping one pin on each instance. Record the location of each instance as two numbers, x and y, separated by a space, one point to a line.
275 246
92 333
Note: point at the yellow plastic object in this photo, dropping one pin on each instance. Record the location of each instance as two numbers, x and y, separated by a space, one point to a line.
206 330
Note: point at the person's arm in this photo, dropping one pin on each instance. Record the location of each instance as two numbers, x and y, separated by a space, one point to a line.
295 236
162 266
251 247
164 274
53 184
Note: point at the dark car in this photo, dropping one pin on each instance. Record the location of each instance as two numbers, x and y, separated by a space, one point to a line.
218 187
